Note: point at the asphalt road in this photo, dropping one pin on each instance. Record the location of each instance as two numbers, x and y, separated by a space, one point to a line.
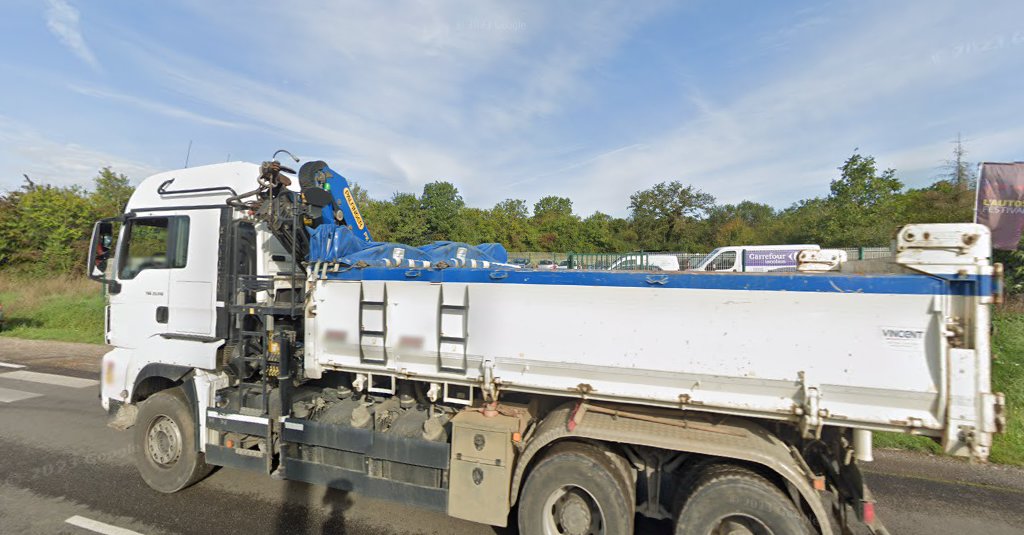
62 468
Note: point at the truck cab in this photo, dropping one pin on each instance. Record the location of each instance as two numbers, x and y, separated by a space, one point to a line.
164 263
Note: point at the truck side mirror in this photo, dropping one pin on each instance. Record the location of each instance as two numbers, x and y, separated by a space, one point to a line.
100 251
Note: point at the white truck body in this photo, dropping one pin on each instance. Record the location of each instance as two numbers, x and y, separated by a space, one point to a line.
900 346
736 344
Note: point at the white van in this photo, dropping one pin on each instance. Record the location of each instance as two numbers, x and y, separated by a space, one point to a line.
754 258
646 262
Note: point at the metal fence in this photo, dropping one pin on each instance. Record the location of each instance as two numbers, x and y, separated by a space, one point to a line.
637 261
534 258
866 253
642 261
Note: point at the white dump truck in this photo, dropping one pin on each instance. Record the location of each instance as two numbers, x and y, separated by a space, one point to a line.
257 326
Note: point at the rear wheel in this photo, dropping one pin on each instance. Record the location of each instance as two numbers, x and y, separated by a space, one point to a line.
576 490
165 443
729 500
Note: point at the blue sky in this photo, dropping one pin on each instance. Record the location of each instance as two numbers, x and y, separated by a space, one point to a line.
591 100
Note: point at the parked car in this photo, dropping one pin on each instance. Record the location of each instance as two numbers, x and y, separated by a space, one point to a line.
521 262
546 264
754 258
564 264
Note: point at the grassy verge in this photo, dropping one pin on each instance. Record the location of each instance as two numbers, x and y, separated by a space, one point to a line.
1007 377
68 309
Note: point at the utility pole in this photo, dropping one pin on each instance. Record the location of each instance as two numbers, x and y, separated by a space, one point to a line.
961 170
188 153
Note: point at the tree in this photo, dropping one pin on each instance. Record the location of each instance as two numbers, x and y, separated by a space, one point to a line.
110 193
399 220
864 206
950 199
53 226
665 216
360 195
802 222
441 204
598 234
739 224
552 206
475 226
943 202
512 224
958 170
558 229
48 227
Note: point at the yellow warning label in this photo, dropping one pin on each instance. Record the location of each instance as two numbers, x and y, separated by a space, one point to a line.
352 206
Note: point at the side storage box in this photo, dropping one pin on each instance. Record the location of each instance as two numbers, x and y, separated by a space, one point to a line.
479 483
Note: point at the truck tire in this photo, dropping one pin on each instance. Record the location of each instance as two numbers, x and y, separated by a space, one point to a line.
165 443
731 499
576 490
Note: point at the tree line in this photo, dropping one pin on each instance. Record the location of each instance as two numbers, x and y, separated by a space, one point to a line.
864 207
47 227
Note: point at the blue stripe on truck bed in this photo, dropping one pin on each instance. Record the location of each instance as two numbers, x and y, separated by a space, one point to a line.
912 284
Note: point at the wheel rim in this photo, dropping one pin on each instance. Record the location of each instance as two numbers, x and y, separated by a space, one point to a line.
740 525
571 510
163 441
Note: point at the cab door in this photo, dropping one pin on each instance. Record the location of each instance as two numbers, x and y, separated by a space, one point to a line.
192 288
151 246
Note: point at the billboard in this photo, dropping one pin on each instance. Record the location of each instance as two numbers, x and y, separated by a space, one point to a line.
1000 202
771 258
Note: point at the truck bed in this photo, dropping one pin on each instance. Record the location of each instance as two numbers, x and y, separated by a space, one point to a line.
876 351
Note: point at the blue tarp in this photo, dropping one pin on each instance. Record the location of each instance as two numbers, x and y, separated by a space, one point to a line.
457 253
332 243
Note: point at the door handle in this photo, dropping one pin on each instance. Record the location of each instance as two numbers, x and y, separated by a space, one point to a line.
161 314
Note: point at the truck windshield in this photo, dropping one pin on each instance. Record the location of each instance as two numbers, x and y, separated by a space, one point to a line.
718 260
707 259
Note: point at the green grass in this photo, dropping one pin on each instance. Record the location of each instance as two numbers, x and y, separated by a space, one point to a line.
1007 377
906 442
61 308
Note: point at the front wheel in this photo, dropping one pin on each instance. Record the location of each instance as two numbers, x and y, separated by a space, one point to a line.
736 501
165 443
576 490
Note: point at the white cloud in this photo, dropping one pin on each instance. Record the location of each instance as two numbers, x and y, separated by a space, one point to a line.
782 140
923 163
26 151
155 107
62 20
481 93
411 93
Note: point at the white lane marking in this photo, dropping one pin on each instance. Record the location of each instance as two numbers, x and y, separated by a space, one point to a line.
99 527
9 365
7 395
49 379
